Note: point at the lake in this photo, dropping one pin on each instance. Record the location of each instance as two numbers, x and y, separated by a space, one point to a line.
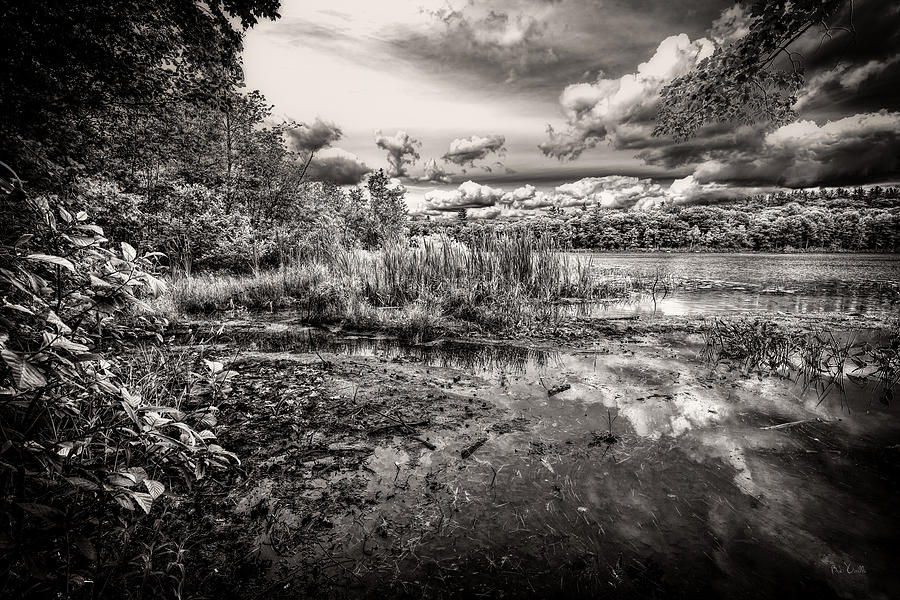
695 284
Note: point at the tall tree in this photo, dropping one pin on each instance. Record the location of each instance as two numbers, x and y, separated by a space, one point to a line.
74 76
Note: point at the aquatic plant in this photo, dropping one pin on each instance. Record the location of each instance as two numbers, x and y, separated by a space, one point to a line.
823 360
494 280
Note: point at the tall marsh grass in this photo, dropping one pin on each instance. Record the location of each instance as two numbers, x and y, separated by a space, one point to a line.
494 280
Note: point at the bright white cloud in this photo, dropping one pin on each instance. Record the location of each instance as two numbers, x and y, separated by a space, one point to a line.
596 111
465 151
467 195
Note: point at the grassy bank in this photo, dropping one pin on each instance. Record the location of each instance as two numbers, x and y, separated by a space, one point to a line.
495 281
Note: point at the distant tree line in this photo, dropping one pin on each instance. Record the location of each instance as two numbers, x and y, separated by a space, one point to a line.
859 219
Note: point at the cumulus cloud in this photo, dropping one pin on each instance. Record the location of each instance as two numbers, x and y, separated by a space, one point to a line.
465 151
313 137
613 191
467 195
526 199
336 166
435 173
402 151
849 150
599 110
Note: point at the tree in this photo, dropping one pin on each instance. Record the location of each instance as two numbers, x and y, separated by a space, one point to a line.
389 214
75 72
755 78
461 215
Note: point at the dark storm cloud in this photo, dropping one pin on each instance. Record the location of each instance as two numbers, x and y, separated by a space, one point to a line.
715 141
341 168
540 45
496 45
313 137
849 71
856 149
835 148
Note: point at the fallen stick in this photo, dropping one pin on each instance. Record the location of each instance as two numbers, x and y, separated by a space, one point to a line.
789 424
425 443
557 389
407 427
471 449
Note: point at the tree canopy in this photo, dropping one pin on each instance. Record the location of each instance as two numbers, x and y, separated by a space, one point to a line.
72 72
754 78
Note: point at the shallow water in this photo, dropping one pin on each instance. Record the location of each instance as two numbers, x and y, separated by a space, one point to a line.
651 474
722 283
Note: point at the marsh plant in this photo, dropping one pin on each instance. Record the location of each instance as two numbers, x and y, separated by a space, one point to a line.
494 280
822 360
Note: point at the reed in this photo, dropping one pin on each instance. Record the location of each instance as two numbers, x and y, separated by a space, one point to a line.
494 280
823 360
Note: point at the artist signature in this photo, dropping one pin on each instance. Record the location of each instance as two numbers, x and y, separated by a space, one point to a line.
848 569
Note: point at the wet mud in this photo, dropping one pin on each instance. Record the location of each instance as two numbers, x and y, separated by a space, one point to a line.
379 468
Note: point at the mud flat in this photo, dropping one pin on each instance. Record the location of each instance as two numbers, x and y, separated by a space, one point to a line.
374 467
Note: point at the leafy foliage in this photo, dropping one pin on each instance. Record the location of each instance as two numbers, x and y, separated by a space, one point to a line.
75 72
755 78
858 220
83 451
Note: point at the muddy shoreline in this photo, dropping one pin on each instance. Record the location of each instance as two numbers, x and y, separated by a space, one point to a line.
373 467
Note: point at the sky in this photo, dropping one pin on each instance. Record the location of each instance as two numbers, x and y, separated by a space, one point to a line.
453 98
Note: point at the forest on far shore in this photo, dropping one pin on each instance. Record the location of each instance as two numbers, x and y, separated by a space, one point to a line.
843 220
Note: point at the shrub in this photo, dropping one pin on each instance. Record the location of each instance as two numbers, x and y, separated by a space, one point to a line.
87 448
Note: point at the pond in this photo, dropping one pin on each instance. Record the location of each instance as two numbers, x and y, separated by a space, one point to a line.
715 284
650 472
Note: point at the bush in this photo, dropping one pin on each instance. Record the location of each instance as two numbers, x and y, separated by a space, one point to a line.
87 447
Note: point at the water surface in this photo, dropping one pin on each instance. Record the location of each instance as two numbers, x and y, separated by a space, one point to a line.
700 283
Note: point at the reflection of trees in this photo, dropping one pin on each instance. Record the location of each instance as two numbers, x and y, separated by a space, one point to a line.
455 355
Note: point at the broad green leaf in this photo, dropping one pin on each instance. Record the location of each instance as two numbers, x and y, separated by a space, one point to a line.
17 307
41 510
26 376
155 488
54 319
100 283
144 500
83 241
128 251
83 483
54 260
85 547
125 501
59 341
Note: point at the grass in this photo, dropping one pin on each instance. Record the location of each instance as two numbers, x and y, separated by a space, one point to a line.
823 360
495 281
